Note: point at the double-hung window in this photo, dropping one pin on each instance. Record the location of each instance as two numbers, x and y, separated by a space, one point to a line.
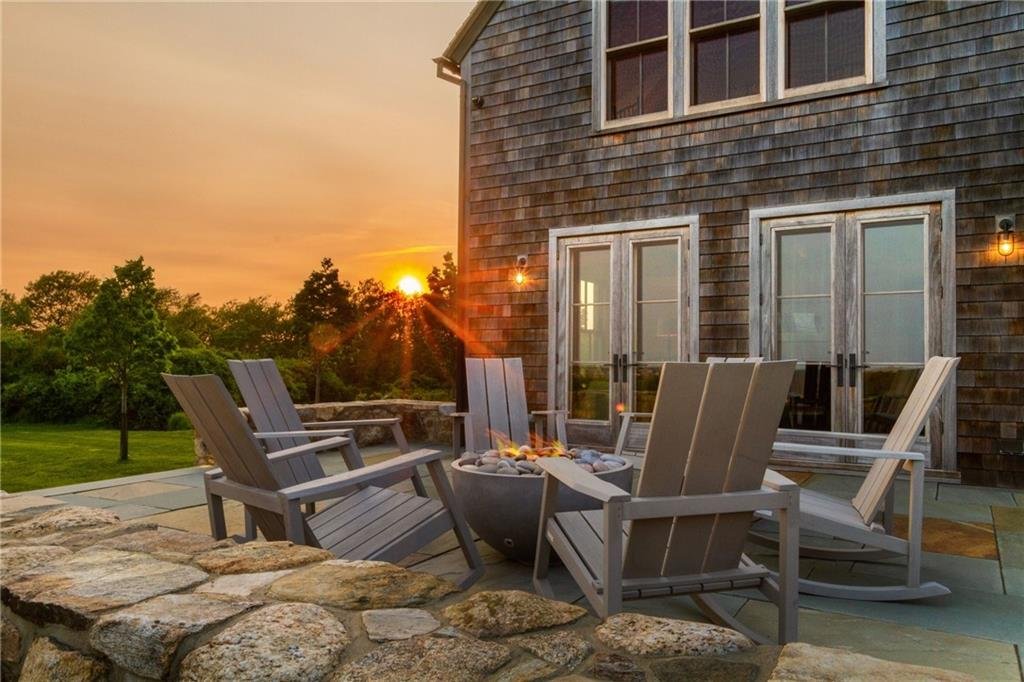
662 59
637 59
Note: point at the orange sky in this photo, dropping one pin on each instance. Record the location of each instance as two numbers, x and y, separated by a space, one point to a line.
232 145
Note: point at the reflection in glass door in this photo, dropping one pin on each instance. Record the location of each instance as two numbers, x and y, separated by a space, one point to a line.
850 301
621 315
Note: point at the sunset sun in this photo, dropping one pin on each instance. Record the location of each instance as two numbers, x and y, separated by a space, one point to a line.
410 286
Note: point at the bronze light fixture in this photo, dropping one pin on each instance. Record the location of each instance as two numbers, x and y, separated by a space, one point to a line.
519 271
1004 236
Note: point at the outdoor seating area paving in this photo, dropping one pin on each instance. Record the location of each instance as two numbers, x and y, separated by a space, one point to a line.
973 541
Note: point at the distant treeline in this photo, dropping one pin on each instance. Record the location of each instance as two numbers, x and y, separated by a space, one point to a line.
75 347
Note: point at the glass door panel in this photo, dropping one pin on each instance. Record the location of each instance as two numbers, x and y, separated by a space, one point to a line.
590 385
803 319
655 315
892 319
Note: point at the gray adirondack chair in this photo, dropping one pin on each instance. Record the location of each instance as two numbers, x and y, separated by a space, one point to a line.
855 520
497 407
277 421
369 521
633 426
684 531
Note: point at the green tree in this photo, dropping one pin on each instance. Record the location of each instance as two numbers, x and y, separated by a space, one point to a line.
322 315
121 333
190 321
252 329
55 299
13 313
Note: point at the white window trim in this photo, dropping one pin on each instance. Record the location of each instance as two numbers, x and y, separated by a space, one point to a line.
690 222
687 67
946 199
864 79
599 55
772 65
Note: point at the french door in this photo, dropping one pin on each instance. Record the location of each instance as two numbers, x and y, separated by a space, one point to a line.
622 310
854 297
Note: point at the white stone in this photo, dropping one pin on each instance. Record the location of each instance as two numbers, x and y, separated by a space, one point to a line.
387 624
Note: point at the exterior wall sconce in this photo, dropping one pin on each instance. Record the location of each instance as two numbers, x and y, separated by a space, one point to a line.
1004 235
519 271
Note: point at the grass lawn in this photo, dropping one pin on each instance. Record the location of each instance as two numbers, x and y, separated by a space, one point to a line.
47 455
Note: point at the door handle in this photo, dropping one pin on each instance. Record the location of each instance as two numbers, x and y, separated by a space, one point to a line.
615 368
840 366
853 369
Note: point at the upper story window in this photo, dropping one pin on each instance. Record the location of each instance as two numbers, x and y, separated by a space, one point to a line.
824 43
637 57
660 59
725 51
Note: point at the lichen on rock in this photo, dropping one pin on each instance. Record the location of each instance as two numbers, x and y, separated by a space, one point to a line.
427 659
257 557
46 661
509 612
643 635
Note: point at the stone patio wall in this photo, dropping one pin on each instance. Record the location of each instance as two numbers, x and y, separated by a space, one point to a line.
423 421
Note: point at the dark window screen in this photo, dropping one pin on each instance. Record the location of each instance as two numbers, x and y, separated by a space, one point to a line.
637 74
824 43
726 60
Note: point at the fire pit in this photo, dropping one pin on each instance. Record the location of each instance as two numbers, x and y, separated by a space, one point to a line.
500 491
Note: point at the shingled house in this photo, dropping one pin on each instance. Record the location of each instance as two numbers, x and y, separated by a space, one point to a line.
656 181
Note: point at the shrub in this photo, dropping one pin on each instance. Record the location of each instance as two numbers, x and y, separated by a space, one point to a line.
178 422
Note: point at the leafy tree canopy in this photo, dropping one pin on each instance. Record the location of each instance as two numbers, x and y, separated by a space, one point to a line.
57 298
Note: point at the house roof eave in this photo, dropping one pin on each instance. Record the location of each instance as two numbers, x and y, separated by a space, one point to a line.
469 31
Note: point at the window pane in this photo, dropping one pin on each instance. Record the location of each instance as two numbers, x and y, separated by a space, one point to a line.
591 275
734 9
653 19
592 331
657 332
894 328
657 275
623 86
810 398
886 390
804 329
894 257
704 13
744 63
622 22
804 263
654 81
709 64
645 388
805 50
588 392
845 42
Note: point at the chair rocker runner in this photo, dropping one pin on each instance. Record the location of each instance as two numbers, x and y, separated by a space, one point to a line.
854 520
684 531
497 407
369 521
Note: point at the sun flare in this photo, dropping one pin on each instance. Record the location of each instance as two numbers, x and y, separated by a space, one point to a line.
410 286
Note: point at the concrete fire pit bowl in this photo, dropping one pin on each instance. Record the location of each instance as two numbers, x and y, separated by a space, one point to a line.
504 510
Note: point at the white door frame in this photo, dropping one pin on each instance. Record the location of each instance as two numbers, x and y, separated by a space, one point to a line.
692 225
946 199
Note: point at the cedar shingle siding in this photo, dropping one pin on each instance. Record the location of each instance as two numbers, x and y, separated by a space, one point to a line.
950 117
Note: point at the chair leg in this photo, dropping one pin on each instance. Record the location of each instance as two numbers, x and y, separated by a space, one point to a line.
717 614
294 527
915 524
396 431
889 512
459 525
542 560
250 525
789 568
612 597
215 508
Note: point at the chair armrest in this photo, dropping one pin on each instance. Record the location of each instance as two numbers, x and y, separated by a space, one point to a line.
785 434
326 433
637 415
300 450
776 481
573 476
808 449
536 412
350 423
707 505
329 486
457 415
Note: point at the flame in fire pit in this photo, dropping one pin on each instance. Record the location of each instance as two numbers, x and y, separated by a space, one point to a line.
538 447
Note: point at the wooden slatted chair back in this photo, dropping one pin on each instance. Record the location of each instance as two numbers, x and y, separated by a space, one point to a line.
226 435
272 409
496 393
934 378
711 432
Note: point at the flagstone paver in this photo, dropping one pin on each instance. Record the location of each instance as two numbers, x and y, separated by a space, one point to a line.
806 662
134 511
954 571
135 490
197 520
965 538
974 495
86 501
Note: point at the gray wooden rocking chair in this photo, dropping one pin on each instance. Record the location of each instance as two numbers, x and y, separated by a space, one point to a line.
855 520
684 532
369 521
497 407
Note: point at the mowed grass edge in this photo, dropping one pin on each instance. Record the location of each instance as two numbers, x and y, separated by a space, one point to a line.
34 456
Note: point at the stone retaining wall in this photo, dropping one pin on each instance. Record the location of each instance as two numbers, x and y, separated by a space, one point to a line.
422 421
87 597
